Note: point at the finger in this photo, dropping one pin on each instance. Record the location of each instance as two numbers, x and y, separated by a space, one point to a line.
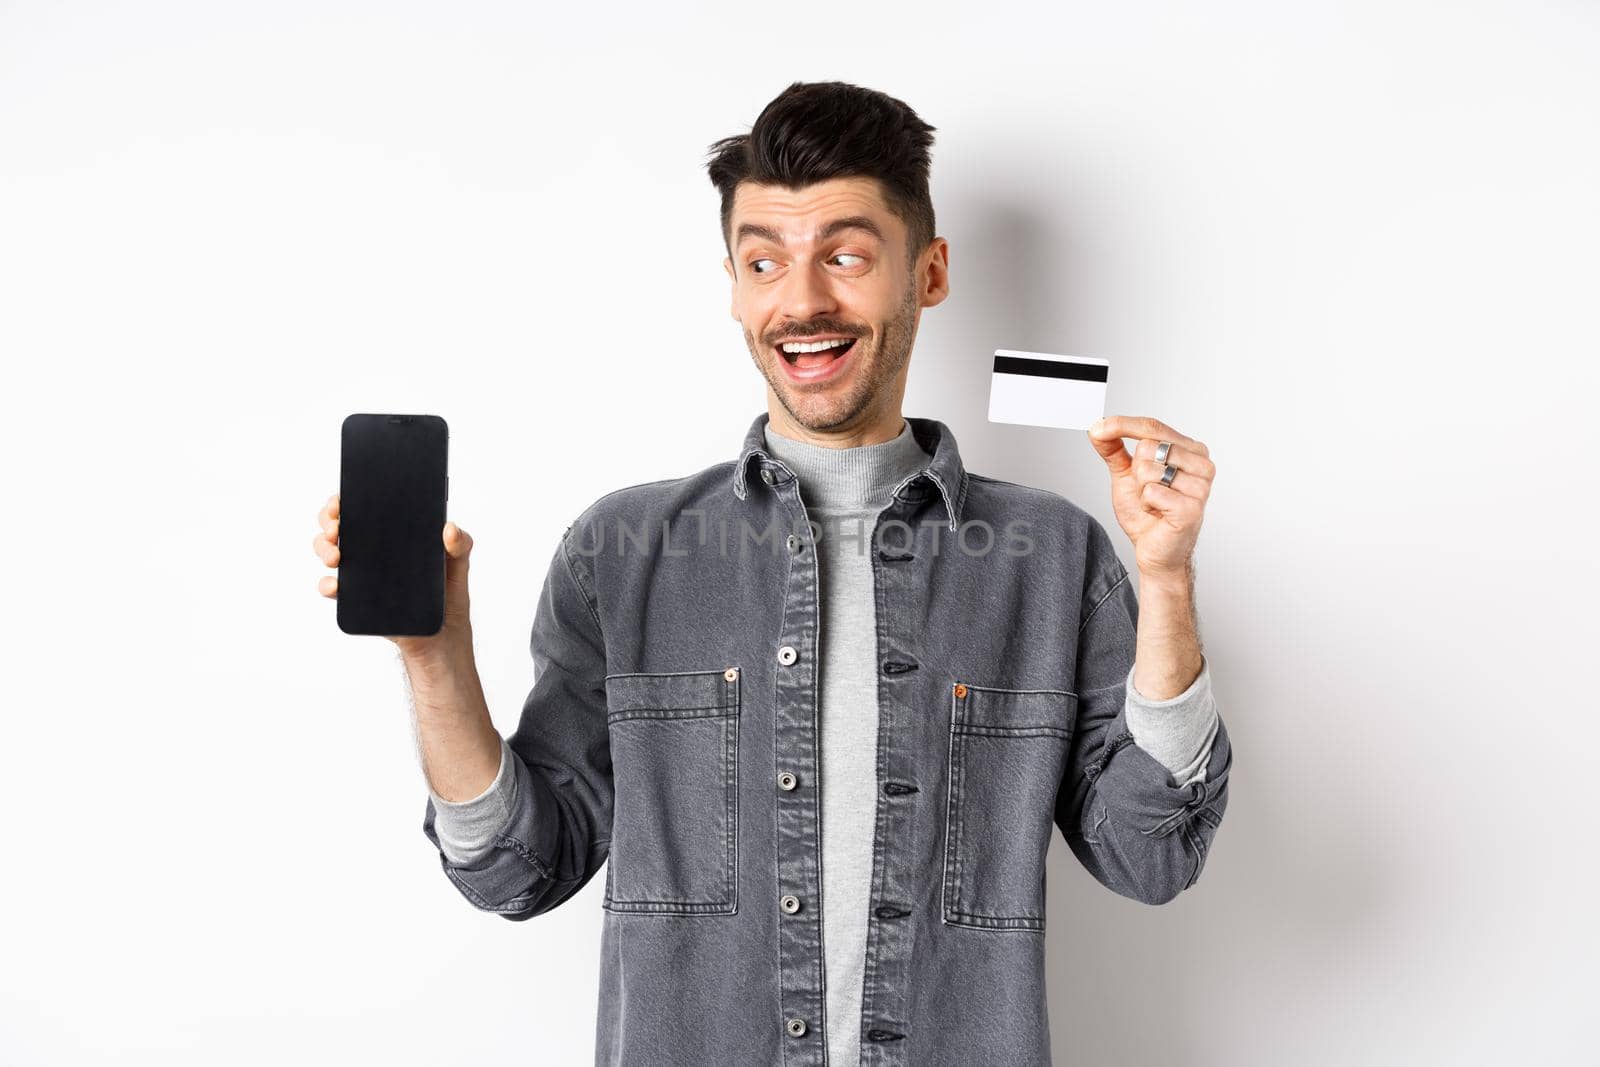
1111 449
457 542
1181 456
1142 427
1149 471
330 511
326 551
1176 508
328 585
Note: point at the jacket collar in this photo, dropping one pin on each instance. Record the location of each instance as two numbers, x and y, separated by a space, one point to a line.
945 471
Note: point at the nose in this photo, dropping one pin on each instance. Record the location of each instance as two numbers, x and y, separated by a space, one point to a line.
807 293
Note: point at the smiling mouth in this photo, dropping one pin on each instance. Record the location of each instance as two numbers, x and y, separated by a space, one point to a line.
806 360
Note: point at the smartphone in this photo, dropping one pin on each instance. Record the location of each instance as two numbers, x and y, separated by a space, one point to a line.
393 488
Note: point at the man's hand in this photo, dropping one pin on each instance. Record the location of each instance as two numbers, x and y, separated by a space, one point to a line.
456 634
1162 521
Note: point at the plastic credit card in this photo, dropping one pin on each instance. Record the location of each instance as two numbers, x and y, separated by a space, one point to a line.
1043 389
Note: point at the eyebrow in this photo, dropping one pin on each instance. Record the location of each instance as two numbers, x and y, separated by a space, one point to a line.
849 222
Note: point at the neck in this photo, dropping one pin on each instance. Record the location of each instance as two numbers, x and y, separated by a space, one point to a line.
869 429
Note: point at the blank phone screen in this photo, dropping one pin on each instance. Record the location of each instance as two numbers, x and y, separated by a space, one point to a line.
393 489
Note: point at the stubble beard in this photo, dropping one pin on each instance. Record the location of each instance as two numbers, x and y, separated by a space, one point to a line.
873 376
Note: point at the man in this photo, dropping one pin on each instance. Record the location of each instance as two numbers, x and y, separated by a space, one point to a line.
821 705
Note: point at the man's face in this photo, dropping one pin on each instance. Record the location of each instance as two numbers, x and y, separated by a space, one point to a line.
829 261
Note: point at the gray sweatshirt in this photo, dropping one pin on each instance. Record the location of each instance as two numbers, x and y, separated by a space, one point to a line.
844 489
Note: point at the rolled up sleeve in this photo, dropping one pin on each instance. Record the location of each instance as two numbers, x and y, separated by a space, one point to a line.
1179 731
467 828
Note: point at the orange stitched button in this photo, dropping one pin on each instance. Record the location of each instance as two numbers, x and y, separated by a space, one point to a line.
961 690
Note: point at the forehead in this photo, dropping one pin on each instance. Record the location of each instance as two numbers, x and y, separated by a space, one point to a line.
798 213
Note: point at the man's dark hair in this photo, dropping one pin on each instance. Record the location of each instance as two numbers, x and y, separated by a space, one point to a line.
813 131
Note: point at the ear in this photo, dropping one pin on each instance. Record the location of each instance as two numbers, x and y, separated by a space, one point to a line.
733 305
934 280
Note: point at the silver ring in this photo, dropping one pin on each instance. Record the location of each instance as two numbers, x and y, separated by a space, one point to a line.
1162 450
1167 475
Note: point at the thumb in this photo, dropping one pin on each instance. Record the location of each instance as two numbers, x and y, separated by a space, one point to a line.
1110 447
457 547
457 543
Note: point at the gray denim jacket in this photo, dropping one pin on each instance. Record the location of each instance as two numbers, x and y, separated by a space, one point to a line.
672 728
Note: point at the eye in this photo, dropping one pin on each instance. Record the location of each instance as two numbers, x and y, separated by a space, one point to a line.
842 255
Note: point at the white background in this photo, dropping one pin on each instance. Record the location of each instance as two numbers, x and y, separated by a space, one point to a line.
1351 247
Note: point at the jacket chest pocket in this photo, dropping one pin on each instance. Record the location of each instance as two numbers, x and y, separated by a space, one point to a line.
675 823
1008 752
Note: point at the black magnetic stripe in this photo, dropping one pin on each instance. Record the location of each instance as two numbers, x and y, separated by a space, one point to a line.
1049 368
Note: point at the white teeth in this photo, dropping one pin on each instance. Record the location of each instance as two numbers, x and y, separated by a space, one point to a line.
818 346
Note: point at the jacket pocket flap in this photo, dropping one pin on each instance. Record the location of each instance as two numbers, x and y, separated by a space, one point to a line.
672 695
983 709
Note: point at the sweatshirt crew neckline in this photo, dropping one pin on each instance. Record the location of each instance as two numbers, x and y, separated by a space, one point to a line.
859 477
